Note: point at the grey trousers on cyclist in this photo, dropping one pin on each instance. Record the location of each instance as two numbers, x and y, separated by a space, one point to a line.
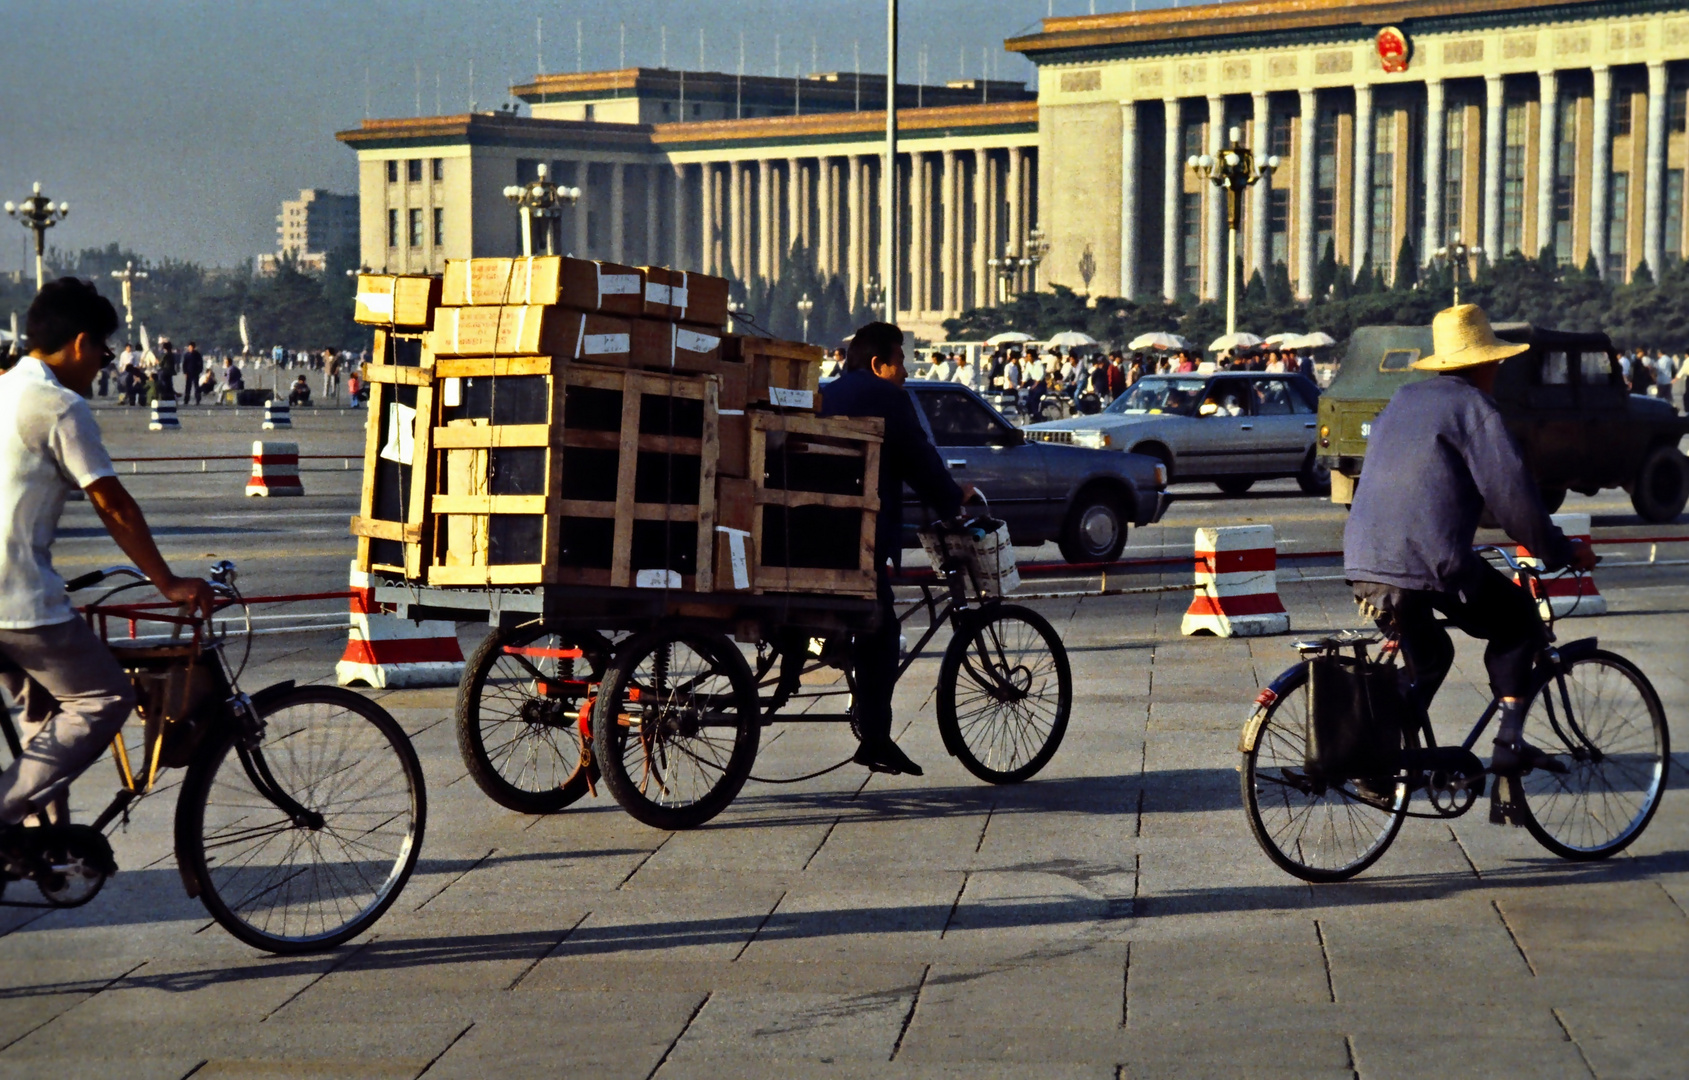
73 698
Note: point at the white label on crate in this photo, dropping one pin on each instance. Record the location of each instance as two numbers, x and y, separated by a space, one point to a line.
616 285
451 392
677 297
793 399
656 293
602 344
377 303
693 342
401 434
656 579
736 555
730 412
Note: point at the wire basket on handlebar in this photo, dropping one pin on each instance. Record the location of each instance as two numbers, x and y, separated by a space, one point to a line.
977 546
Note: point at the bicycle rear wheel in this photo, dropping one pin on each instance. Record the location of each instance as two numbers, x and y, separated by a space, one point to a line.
1316 829
305 840
1610 730
1004 693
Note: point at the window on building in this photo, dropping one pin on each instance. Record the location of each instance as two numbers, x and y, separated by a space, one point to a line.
392 172
1621 112
392 228
413 171
438 165
1516 116
1191 137
1278 223
439 227
1278 135
416 228
1674 214
1618 217
1190 241
1325 179
1454 171
1383 191
1677 109
1565 177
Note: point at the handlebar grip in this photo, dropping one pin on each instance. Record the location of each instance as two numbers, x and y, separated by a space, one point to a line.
77 584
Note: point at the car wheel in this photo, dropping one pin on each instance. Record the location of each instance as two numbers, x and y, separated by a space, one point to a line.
1315 477
1235 485
1662 485
1095 530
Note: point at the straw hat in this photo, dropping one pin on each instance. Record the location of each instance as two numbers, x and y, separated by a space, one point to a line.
1462 338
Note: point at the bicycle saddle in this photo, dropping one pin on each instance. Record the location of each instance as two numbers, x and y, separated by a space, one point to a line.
1337 639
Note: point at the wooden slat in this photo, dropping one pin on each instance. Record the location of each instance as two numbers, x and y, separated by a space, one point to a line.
783 497
489 504
469 367
377 529
514 574
627 466
483 436
398 374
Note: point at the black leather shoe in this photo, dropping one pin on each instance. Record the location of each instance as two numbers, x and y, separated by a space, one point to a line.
1516 758
885 757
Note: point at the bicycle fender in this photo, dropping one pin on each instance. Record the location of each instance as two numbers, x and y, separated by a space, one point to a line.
1581 649
262 696
1264 701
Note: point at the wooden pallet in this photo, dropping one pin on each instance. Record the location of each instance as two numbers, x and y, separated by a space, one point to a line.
816 499
391 526
781 373
544 485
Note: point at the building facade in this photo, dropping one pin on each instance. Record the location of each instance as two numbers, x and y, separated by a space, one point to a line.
1401 126
311 226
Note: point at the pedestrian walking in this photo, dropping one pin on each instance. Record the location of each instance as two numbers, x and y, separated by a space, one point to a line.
193 366
167 367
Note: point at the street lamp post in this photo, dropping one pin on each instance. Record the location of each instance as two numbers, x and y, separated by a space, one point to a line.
805 306
1235 173
540 199
1037 246
1003 266
38 214
1456 255
128 275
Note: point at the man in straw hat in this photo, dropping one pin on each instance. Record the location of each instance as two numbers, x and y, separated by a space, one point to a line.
1438 455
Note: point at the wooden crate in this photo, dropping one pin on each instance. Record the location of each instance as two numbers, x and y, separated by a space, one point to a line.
546 279
399 348
575 475
396 299
816 499
782 373
391 526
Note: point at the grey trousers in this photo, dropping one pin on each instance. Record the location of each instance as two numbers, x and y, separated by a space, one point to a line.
73 698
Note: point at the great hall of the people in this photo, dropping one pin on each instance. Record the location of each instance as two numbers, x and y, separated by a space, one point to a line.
1510 126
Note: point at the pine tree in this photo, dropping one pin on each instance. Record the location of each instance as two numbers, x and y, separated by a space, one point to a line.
1407 266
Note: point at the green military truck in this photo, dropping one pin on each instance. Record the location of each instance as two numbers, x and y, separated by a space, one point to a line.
1564 400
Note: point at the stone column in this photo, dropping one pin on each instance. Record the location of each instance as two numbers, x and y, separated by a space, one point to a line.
948 229
1214 281
1548 136
1653 201
583 210
982 228
765 219
993 210
1260 213
858 183
920 235
653 220
737 242
1361 243
1173 174
797 209
1128 199
1435 151
1307 259
825 211
618 212
677 241
1600 175
1016 243
1493 104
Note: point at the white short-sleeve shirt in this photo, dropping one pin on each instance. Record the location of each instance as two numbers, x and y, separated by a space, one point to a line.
49 445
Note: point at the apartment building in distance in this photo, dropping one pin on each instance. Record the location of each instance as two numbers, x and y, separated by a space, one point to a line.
1510 125
310 227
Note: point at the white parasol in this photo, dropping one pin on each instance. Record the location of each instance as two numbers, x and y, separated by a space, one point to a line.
1159 340
1008 337
1234 341
1072 339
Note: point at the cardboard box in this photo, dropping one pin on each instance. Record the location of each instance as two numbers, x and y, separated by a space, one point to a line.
782 373
545 279
531 330
660 285
700 299
674 346
735 546
396 300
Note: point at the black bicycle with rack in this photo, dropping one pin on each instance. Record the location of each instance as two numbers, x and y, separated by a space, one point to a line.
1591 710
667 707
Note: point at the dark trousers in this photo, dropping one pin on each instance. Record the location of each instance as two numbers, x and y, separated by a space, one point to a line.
1489 607
875 656
191 391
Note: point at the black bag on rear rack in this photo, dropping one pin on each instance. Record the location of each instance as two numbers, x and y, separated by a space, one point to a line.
1356 715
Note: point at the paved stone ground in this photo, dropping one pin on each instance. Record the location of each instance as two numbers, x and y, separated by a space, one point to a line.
1113 917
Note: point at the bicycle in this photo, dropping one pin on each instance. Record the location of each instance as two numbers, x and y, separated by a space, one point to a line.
1592 710
302 811
670 716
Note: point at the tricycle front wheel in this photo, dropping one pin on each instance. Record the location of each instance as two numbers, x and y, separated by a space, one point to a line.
1004 693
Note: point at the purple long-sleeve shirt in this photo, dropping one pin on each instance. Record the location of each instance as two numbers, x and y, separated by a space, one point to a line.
1438 454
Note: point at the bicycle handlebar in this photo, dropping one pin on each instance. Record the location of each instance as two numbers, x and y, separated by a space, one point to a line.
94 577
1513 563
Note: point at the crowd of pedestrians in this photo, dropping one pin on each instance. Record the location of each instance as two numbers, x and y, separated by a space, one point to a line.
142 377
1652 372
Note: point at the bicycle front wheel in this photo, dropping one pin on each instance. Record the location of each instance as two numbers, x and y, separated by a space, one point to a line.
1004 693
1609 729
1318 829
303 841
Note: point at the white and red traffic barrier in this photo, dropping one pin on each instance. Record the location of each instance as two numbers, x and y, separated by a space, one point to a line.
386 652
1236 584
1565 593
275 469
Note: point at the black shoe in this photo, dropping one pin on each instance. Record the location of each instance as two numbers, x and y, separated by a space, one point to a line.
885 756
1517 758
1379 790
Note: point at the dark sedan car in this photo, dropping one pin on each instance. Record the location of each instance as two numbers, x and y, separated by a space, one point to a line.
1081 498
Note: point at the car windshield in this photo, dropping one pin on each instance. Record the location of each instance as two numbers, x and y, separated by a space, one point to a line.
1179 397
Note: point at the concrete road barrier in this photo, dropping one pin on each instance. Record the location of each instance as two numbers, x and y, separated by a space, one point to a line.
386 652
275 469
1236 584
164 417
1566 594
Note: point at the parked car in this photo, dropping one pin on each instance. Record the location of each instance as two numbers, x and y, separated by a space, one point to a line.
1231 427
1564 401
1083 499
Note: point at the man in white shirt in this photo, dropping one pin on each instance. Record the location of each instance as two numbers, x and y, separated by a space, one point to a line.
73 695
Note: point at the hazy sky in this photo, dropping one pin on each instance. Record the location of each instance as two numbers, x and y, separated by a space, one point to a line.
176 127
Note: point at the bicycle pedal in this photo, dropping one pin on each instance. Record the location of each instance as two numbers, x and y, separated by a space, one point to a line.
1505 808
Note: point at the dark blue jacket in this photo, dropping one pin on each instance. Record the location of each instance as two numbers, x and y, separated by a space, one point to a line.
1438 454
907 456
